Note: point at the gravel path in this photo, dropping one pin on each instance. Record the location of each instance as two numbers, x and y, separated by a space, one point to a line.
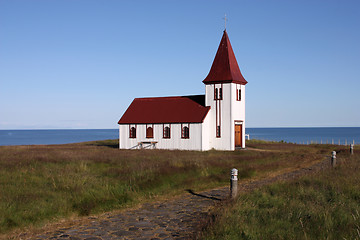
178 218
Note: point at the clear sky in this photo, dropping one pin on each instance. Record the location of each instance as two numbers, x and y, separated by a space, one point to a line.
80 63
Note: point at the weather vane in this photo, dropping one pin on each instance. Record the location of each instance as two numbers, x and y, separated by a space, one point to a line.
225 20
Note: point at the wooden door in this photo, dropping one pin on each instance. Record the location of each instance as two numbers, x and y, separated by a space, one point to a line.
238 135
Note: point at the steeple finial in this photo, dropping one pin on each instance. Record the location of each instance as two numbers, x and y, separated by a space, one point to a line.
225 21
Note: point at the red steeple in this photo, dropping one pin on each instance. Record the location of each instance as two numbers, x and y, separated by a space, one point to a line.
225 68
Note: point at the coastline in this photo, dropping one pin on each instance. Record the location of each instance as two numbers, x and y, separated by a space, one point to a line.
299 135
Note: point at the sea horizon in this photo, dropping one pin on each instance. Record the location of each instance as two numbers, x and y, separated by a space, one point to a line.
299 135
38 129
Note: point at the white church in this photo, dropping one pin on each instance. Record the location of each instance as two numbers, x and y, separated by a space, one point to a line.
215 120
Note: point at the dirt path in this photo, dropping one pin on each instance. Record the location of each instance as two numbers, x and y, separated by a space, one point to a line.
179 218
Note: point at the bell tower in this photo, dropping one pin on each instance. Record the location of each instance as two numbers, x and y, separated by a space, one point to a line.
225 94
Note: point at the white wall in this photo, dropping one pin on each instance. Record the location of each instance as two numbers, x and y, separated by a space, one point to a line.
231 111
205 143
202 135
238 111
175 142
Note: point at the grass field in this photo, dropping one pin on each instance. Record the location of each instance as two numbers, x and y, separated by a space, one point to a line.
319 206
46 183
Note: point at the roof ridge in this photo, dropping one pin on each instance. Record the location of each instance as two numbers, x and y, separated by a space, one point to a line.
185 96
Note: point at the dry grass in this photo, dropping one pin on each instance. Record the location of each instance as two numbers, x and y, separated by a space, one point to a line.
40 184
324 205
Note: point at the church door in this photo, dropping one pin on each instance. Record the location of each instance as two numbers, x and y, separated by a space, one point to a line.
238 135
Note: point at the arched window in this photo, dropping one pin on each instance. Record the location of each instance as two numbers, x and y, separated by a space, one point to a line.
149 132
218 132
132 132
185 132
238 94
166 132
218 94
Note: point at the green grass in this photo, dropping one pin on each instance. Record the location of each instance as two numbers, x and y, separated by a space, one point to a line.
41 184
319 206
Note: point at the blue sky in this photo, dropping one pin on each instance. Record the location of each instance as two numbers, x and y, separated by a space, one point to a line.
79 64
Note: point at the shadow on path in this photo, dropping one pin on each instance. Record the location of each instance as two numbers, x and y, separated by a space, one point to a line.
201 195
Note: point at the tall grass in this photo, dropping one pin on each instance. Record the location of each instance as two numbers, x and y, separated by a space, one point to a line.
45 183
320 206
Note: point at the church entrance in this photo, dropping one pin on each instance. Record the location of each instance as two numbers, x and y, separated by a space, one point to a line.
238 135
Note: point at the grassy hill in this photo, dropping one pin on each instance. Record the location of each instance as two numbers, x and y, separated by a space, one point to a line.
46 183
325 205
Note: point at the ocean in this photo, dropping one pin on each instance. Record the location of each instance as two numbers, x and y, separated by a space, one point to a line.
331 135
335 135
59 136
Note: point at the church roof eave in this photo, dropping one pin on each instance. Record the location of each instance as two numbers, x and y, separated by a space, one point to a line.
180 109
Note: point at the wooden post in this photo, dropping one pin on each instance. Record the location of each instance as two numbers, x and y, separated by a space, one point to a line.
233 183
333 159
351 149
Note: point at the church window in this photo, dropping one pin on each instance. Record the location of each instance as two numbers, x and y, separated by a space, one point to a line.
132 132
185 133
238 94
166 132
218 132
149 132
218 94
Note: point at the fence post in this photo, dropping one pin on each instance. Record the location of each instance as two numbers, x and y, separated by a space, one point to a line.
333 159
233 183
351 149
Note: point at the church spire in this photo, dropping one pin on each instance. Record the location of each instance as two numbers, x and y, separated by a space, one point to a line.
225 68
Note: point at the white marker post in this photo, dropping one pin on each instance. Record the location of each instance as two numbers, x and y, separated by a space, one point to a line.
233 183
333 159
351 149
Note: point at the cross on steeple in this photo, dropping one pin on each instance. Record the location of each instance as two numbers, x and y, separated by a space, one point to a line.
225 20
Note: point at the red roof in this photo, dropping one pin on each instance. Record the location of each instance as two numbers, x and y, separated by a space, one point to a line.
182 109
225 68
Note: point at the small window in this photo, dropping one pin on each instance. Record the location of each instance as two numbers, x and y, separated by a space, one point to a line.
149 132
218 94
218 132
238 94
185 132
166 132
132 132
